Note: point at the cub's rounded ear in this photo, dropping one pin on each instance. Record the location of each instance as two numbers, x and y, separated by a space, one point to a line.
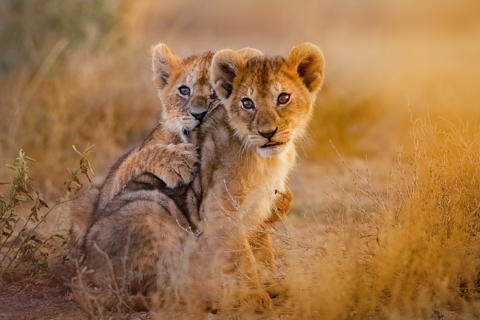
307 60
164 62
248 53
225 66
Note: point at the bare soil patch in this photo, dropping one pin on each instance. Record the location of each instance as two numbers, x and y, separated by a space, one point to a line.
33 298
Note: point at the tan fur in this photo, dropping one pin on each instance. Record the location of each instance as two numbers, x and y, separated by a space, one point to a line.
165 152
261 242
81 215
134 208
155 239
238 175
238 182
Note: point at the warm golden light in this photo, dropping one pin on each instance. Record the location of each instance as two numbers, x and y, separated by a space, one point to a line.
73 73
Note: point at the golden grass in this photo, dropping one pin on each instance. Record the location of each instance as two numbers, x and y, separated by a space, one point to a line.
74 88
66 83
408 251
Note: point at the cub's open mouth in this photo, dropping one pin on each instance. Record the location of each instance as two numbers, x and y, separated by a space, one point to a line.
271 144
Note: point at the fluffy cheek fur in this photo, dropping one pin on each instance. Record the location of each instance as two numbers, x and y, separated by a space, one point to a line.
300 112
240 120
176 111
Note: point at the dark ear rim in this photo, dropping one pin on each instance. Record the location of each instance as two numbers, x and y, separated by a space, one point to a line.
309 63
225 66
164 62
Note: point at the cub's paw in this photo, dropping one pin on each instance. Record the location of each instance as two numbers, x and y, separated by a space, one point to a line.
180 165
261 301
283 204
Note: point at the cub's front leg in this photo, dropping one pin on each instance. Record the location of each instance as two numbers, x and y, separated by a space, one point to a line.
228 241
242 267
262 244
174 164
230 244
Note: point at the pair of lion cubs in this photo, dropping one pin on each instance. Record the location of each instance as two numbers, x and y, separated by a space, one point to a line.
159 194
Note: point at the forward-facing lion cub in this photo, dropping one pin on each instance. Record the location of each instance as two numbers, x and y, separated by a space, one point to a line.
247 151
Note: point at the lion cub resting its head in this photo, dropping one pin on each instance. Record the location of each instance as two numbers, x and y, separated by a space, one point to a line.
167 153
186 97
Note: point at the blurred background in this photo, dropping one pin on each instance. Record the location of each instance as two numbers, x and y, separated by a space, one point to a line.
79 72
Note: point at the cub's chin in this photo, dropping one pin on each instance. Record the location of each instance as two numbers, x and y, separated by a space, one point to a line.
273 150
187 128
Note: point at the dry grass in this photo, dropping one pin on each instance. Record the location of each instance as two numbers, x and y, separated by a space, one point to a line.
22 249
394 246
407 251
73 88
66 83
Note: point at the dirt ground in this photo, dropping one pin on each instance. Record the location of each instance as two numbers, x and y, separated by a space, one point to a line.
46 299
33 298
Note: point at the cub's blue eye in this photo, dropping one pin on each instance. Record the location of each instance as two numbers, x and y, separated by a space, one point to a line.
248 104
184 91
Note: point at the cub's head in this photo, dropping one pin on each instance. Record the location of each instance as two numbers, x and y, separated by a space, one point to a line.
184 89
269 99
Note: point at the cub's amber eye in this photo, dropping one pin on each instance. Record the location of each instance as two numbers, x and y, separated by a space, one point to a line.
283 98
184 91
248 104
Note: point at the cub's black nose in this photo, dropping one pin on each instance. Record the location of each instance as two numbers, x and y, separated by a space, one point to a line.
199 116
268 135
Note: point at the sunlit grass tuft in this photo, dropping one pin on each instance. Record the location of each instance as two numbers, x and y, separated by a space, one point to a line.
409 250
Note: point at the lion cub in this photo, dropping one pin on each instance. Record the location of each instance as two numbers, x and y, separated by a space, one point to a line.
167 153
247 150
187 97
